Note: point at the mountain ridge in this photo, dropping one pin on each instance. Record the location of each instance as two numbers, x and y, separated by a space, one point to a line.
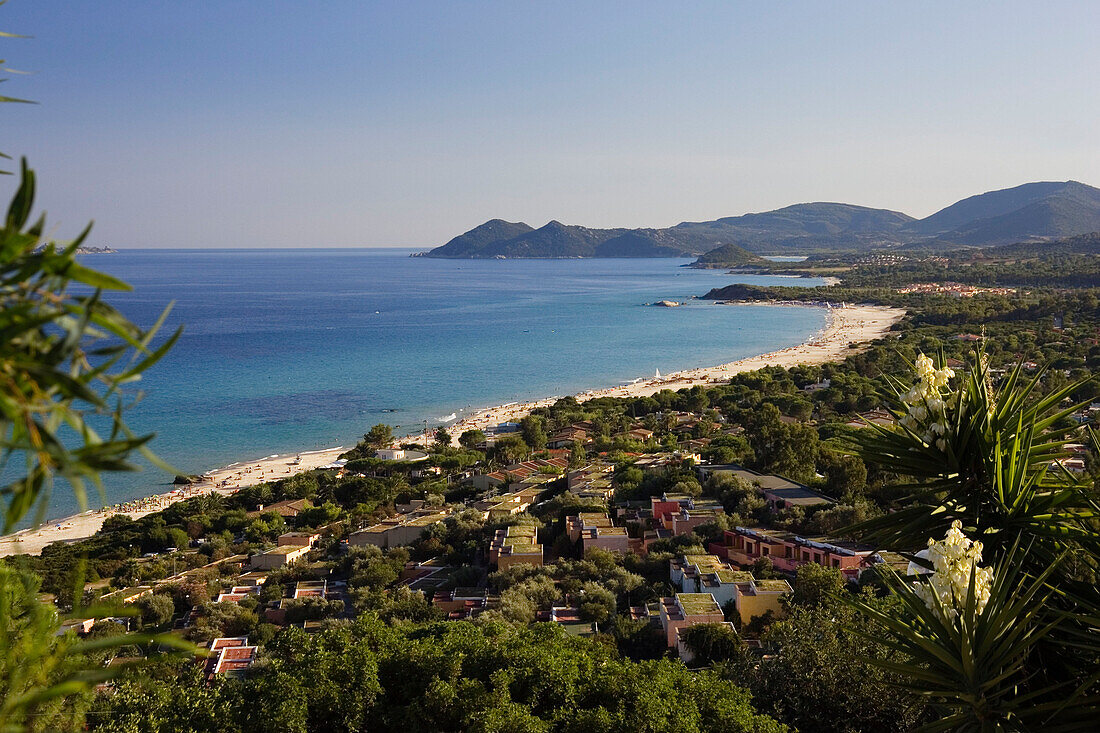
1036 211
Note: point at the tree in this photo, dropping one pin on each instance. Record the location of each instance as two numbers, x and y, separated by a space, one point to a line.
578 455
763 568
845 475
42 669
470 439
379 436
533 429
809 684
816 584
442 437
156 609
596 603
511 449
710 643
64 357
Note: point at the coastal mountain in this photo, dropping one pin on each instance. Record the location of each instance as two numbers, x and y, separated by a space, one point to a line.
1038 211
1030 212
500 239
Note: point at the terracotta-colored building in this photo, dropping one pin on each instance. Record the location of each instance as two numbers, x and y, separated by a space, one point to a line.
681 513
788 551
688 609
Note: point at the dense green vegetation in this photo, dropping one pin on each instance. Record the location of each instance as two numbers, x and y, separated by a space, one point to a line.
493 676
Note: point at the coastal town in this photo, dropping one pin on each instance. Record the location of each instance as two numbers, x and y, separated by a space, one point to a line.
768 385
670 517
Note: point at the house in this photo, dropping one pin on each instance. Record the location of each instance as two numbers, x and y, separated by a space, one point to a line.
709 574
725 584
79 625
517 472
462 602
566 437
400 455
569 618
686 655
238 593
253 577
230 656
515 545
612 539
595 529
322 589
593 481
682 513
299 539
1073 465
400 530
576 525
877 417
684 571
311 589
127 595
788 551
684 610
778 491
758 597
278 557
286 509
818 386
521 496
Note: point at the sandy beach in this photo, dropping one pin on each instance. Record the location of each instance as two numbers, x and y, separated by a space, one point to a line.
222 481
847 325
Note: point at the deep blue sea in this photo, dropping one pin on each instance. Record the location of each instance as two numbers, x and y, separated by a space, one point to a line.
287 350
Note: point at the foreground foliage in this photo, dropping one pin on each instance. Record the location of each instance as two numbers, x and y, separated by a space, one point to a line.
1012 646
366 675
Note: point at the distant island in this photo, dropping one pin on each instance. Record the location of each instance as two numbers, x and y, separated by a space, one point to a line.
1032 212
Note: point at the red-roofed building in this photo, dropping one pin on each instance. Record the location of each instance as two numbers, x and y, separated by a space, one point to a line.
230 656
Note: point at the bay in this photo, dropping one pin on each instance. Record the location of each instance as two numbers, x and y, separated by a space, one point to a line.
287 350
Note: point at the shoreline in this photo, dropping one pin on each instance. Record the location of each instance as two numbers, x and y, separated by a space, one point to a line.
846 324
223 481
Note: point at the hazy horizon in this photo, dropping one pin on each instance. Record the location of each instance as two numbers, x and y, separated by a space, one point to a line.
403 125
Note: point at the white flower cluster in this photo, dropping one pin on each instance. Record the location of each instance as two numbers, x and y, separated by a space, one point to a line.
953 559
927 403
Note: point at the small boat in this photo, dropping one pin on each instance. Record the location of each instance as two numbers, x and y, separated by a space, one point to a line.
657 375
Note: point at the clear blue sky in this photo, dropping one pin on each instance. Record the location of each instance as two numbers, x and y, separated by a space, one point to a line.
230 123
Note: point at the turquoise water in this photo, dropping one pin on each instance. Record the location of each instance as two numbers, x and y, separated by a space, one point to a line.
305 349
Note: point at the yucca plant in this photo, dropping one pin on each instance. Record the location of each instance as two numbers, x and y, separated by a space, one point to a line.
1015 646
970 655
984 456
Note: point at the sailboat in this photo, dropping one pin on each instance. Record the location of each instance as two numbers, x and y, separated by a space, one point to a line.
657 375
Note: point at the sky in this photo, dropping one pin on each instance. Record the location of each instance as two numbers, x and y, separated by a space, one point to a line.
359 124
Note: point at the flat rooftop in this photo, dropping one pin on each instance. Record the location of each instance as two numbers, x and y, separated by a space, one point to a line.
698 604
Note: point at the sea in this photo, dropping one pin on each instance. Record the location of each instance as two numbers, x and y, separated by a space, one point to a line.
287 350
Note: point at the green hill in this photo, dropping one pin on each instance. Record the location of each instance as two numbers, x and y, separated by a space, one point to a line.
729 256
